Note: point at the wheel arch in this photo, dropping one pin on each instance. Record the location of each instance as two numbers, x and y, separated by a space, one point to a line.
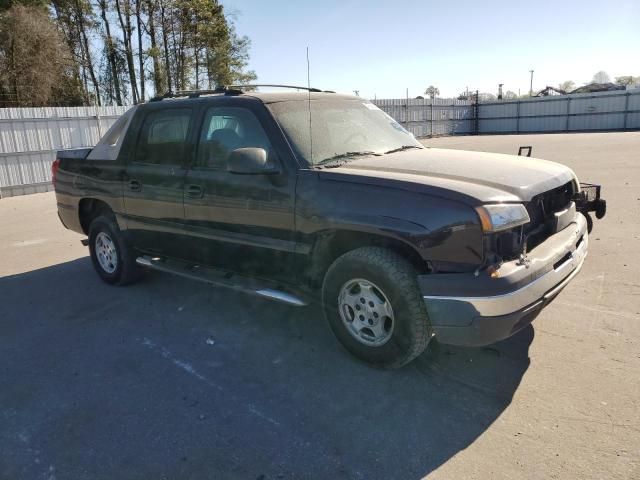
331 244
89 208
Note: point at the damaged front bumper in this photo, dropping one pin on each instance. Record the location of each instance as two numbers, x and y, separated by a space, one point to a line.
474 310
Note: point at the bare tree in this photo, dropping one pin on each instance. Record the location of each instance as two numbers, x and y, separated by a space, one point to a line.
111 51
486 97
159 80
567 85
141 73
601 77
164 27
125 27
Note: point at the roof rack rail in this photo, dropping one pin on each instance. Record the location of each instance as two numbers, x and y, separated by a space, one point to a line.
257 85
196 93
230 90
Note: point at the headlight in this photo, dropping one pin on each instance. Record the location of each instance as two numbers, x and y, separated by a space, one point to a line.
495 218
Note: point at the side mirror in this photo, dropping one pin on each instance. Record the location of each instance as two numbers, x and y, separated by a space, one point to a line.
250 161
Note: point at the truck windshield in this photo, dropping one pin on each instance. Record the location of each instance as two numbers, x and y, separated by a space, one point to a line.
340 129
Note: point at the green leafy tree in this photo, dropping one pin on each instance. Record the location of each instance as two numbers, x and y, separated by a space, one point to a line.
7 4
36 66
77 21
115 51
229 61
627 80
432 92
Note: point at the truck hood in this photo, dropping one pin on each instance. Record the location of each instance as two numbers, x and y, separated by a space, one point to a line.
484 177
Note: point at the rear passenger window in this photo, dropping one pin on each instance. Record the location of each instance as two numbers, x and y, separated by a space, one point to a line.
226 129
163 136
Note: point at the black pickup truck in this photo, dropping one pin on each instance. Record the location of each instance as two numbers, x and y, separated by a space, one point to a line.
315 197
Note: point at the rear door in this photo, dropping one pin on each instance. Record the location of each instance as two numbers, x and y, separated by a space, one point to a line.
154 180
241 222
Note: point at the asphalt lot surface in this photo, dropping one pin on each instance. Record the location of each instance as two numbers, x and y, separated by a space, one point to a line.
174 379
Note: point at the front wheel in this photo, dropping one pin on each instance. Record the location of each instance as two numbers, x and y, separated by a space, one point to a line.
374 307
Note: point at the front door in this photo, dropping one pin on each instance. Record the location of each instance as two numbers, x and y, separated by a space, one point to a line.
240 222
154 182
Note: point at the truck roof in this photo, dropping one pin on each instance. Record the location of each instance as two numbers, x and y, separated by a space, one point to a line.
294 93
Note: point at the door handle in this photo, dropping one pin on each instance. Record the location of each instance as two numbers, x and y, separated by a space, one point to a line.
195 191
135 185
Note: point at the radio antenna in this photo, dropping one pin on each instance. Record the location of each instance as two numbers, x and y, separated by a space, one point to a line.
309 92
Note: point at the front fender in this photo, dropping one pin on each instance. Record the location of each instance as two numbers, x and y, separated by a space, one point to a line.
442 231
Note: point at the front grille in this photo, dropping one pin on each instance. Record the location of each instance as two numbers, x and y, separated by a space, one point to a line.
510 244
543 206
541 209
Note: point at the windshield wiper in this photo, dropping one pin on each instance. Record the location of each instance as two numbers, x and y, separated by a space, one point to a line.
404 147
343 157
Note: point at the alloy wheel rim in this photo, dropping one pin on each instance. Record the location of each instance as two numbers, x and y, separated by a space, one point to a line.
366 312
106 252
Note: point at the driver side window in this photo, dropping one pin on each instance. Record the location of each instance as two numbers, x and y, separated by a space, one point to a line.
225 129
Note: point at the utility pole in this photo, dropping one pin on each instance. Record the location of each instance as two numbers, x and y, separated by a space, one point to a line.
531 84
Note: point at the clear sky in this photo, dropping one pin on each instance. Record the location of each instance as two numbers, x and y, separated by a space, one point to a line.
383 47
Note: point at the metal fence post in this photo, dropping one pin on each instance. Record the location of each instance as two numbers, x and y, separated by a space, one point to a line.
407 106
431 116
98 123
518 116
626 110
568 113
476 113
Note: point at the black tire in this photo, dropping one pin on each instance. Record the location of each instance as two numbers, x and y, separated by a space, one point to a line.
395 277
601 209
589 221
126 270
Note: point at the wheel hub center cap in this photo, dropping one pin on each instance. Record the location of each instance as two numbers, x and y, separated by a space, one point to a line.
370 315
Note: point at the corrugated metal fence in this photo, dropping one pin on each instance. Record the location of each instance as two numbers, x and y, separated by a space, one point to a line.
426 117
30 137
617 110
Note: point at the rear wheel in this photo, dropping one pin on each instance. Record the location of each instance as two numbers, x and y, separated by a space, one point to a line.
373 305
113 259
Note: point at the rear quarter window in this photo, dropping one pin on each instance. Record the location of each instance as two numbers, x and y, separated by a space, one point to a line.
163 136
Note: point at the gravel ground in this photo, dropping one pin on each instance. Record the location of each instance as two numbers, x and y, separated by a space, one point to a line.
174 379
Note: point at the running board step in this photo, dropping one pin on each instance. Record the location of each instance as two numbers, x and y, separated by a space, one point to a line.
222 278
